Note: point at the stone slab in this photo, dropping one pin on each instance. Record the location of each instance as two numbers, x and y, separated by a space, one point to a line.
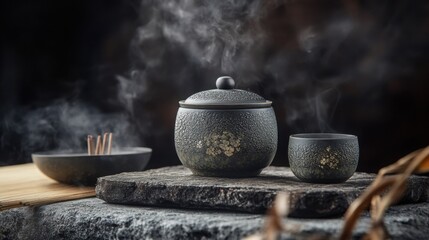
94 219
177 187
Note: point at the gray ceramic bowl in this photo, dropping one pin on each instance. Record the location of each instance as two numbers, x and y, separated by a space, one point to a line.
323 157
82 169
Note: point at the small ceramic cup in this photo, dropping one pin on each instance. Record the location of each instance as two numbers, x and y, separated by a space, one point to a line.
323 157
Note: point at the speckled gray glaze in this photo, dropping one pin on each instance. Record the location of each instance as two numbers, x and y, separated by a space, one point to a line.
323 157
225 132
226 143
224 96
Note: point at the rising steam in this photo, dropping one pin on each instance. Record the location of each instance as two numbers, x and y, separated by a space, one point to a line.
299 63
300 54
64 126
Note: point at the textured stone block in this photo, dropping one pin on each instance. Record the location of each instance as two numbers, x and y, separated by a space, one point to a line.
93 219
177 187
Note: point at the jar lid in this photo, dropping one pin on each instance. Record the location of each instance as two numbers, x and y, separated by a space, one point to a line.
225 97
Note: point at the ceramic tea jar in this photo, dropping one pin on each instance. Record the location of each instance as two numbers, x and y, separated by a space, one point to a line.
225 132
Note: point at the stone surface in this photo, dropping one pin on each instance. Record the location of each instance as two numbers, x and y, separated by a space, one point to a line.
95 219
177 187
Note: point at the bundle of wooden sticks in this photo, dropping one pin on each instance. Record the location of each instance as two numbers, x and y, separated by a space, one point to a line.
100 146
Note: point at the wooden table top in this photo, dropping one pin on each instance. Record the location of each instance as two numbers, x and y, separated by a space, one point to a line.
24 185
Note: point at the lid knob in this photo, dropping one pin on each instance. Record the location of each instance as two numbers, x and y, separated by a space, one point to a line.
225 82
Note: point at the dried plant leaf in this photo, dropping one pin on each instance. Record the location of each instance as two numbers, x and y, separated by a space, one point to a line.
400 184
420 162
279 209
377 232
424 166
398 166
417 161
360 204
274 225
394 194
281 204
375 205
256 236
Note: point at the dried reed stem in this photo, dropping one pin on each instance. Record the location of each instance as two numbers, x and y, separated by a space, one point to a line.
103 145
109 147
90 141
98 145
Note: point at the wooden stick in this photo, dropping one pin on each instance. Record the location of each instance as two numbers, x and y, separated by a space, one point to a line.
98 145
103 145
90 141
109 147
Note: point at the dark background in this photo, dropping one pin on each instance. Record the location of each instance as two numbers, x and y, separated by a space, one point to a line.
375 79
